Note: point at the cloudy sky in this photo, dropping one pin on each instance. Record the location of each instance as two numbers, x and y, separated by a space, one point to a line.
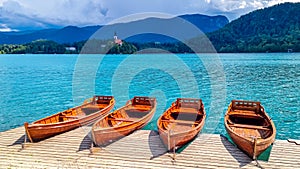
24 14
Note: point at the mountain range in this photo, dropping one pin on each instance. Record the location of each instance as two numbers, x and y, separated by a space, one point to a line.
72 34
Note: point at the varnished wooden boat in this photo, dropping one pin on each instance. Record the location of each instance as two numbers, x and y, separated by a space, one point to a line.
249 126
87 113
182 122
134 115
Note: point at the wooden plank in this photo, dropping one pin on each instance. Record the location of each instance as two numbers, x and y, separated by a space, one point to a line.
142 149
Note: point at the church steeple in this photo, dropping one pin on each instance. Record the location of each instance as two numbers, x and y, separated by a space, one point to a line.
115 36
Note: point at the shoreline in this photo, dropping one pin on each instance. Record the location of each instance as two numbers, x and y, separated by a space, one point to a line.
155 53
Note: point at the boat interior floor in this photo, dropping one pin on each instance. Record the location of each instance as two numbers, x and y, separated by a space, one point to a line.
120 121
90 109
133 113
178 127
181 117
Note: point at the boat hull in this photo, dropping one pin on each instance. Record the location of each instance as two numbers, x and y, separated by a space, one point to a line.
248 146
37 132
172 141
175 133
105 135
249 127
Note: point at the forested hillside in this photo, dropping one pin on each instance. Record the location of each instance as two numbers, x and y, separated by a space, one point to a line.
273 29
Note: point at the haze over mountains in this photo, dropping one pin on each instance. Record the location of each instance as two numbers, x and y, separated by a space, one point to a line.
72 34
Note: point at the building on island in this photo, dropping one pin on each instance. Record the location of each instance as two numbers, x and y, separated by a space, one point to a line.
70 48
117 41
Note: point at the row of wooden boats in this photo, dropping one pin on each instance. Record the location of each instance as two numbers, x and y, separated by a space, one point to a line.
246 122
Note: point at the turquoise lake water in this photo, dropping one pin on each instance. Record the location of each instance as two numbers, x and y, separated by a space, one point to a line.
35 86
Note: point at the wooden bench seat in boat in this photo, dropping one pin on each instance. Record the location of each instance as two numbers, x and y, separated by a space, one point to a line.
121 119
181 121
249 126
185 110
245 113
66 116
138 108
93 107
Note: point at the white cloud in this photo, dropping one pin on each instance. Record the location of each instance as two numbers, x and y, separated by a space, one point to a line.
5 28
235 8
243 5
76 12
274 2
257 4
12 7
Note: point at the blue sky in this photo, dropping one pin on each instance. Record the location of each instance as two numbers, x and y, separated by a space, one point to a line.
23 14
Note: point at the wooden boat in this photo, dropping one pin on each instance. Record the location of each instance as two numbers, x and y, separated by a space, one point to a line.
182 122
136 113
249 126
87 113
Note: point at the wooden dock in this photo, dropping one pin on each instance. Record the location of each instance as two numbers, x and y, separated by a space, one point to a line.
142 149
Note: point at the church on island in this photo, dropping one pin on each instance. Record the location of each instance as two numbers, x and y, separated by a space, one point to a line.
117 41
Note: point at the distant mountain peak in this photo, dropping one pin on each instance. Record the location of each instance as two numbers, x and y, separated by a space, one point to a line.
71 27
70 34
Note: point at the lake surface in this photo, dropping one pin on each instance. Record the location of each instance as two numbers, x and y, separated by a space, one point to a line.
35 86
